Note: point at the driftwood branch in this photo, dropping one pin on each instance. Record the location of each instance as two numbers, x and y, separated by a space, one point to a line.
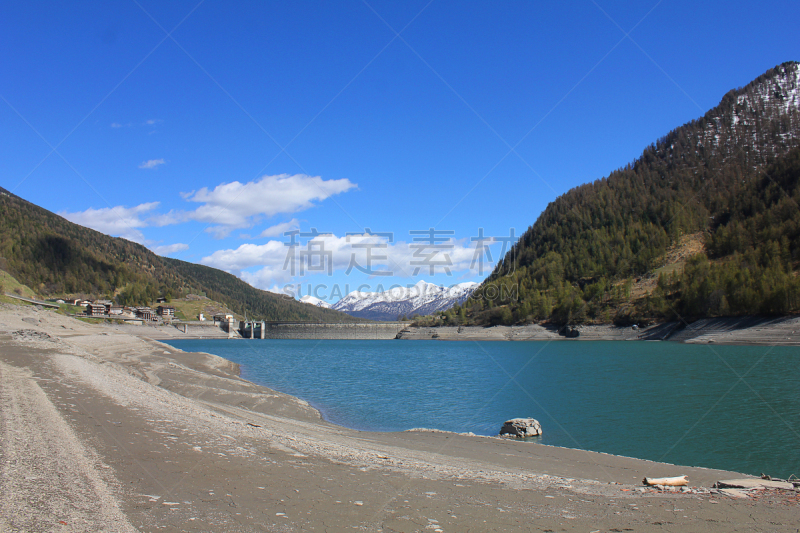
678 481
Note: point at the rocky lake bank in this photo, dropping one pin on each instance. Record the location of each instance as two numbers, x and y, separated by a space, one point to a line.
781 331
741 330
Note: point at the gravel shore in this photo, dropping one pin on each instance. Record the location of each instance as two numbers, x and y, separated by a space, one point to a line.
783 331
101 430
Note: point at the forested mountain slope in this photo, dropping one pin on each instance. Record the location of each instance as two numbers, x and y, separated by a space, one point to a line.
56 257
731 174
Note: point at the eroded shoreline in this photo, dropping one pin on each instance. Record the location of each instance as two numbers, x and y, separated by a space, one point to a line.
753 331
179 442
761 331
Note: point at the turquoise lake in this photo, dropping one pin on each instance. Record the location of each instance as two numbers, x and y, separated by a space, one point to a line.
730 407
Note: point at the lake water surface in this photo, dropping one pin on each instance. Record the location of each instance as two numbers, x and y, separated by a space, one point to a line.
728 407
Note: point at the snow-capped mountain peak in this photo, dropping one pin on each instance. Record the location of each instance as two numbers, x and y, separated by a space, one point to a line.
421 298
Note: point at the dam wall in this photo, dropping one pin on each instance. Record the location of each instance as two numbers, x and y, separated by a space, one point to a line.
307 330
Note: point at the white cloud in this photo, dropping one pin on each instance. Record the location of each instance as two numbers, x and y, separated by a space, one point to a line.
115 221
278 290
278 263
152 163
234 205
247 256
153 121
169 248
279 229
227 207
116 125
263 278
167 219
220 232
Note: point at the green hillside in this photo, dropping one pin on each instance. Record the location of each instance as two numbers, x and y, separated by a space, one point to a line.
55 257
731 175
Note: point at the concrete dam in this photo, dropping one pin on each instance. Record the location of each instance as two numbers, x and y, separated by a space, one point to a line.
309 330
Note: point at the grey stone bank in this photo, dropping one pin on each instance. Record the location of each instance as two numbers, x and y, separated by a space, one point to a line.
309 330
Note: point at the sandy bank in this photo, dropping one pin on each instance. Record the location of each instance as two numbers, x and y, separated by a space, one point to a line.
166 440
781 331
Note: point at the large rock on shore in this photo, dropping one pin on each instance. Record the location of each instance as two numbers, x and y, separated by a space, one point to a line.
570 332
521 428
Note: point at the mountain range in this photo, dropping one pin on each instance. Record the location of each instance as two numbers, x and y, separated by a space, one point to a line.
420 299
54 256
729 178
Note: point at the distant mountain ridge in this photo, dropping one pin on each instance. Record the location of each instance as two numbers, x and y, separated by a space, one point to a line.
53 256
420 299
577 261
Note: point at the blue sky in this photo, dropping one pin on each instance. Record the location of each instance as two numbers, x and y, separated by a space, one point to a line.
205 130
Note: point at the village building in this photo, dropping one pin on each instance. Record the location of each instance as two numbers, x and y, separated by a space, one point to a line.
115 310
95 309
145 313
222 318
166 311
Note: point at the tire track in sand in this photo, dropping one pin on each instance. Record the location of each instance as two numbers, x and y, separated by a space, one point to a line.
49 479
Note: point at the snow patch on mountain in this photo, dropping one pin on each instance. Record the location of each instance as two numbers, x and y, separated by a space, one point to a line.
308 299
771 98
